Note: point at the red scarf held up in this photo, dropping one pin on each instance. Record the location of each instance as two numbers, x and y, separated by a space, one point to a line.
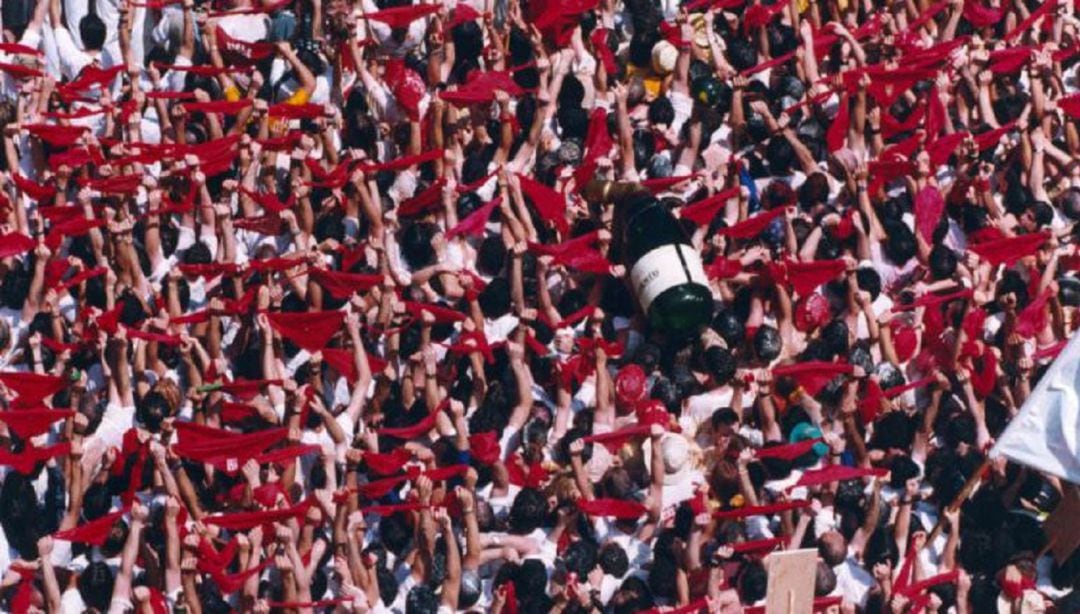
343 285
836 473
788 452
761 510
613 508
1009 250
752 227
550 205
615 439
27 423
309 330
476 222
703 211
25 461
813 375
94 532
32 387
15 244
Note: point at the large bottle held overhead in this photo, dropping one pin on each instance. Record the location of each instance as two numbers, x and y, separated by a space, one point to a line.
666 273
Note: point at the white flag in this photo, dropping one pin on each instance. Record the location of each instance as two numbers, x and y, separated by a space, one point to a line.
1045 435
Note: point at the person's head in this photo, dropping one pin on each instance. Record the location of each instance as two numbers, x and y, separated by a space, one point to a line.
720 364
752 582
767 343
1036 216
942 262
824 580
900 245
95 585
581 557
528 511
92 32
613 560
422 600
832 548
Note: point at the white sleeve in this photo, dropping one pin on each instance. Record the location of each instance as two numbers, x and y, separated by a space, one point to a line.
72 59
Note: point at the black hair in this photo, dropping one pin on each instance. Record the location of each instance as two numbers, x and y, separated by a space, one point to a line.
495 299
780 155
767 343
720 363
613 560
528 512
661 112
416 245
742 54
900 243
752 583
92 31
727 324
942 262
580 557
96 585
422 600
868 280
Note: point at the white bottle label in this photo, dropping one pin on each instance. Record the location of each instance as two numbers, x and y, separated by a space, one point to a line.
662 268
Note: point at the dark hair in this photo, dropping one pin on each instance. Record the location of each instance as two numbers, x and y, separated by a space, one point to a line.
767 343
813 191
742 53
96 585
900 244
720 363
661 111
495 299
528 511
942 262
868 280
422 600
780 155
613 560
727 324
581 557
92 31
752 583
416 245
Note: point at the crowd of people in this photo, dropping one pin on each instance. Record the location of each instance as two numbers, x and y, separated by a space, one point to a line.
323 305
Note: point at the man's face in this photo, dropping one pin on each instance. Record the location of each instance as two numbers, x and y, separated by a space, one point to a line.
722 437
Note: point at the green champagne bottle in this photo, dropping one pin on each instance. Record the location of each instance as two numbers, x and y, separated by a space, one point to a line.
666 273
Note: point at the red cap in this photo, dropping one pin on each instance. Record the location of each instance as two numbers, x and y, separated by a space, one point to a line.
630 386
811 312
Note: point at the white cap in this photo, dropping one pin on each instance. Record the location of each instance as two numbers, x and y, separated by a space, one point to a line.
675 451
664 55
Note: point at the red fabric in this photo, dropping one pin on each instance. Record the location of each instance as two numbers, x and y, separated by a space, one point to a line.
33 189
1009 251
282 455
484 447
805 277
95 532
57 136
613 508
18 71
473 342
1046 8
443 315
406 85
28 423
209 270
243 521
934 300
1049 352
1033 319
232 413
752 227
323 603
19 49
462 14
343 361
410 432
15 244
309 330
343 285
242 53
424 201
1008 61
916 588
247 388
550 204
402 16
474 224
812 375
929 205
90 77
837 134
703 211
761 510
836 473
788 452
117 184
225 107
664 183
759 545
230 583
269 201
226 450
25 461
32 387
980 15
173 340
307 110
989 139
387 464
404 162
615 439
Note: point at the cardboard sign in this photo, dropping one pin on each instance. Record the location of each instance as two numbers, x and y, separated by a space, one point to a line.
791 582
